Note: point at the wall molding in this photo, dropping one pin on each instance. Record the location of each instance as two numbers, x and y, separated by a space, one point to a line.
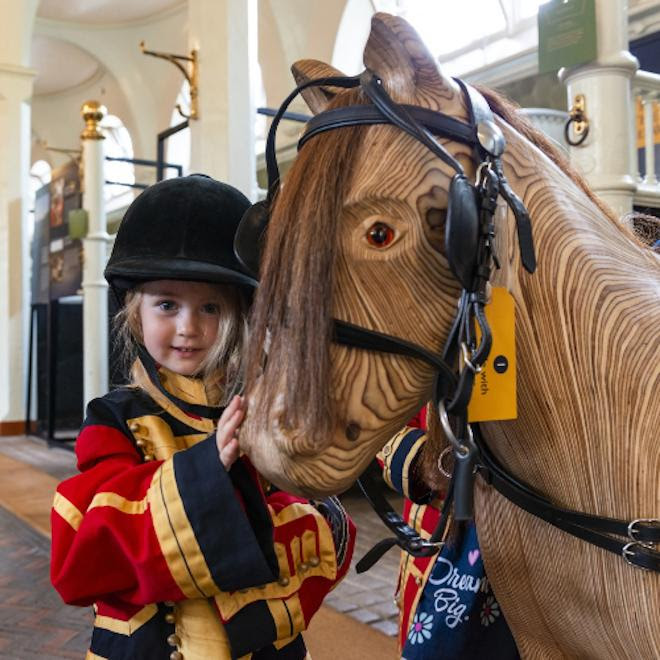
16 428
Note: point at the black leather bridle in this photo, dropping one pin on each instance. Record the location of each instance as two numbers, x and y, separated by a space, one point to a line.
468 241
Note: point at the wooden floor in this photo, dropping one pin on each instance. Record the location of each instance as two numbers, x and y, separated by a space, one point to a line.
33 621
27 493
35 624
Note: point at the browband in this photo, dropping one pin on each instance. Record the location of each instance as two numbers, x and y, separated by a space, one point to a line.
363 115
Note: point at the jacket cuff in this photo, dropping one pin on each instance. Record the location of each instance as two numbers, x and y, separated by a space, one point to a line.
263 622
399 458
203 522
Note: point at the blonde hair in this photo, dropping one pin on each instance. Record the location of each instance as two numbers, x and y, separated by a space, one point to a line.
222 368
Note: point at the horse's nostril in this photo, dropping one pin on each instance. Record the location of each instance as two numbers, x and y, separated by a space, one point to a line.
353 431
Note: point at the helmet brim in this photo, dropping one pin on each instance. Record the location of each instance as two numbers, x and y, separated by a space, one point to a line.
127 273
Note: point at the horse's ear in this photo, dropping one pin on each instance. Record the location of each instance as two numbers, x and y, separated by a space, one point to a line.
317 98
398 55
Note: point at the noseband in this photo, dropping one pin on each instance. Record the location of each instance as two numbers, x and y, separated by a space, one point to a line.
469 234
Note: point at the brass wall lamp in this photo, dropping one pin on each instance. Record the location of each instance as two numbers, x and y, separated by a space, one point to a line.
191 76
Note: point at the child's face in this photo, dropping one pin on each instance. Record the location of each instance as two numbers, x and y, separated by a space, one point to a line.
179 322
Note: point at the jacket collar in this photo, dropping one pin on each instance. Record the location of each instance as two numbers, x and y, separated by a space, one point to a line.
187 393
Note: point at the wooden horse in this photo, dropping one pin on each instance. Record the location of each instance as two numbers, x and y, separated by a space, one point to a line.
356 233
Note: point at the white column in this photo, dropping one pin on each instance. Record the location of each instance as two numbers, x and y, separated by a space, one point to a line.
95 288
15 93
649 140
605 157
222 139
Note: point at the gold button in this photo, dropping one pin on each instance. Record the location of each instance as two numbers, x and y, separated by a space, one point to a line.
148 457
387 450
140 443
314 561
170 618
176 655
303 567
169 603
173 640
134 426
418 581
283 581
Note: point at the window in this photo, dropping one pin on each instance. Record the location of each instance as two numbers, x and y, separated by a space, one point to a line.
118 144
446 30
261 124
177 147
39 176
470 34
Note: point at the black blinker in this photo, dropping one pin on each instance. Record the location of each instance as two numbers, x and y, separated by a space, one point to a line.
462 230
250 235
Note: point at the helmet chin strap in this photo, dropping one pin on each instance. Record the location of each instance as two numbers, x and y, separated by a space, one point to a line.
151 367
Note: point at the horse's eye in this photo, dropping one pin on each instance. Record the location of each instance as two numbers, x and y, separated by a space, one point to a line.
380 235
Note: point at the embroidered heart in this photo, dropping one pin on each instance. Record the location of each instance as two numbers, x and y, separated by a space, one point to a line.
473 555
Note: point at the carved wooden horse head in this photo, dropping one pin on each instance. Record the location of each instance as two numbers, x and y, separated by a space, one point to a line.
357 233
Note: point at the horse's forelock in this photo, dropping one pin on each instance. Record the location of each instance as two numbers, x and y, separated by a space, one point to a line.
293 306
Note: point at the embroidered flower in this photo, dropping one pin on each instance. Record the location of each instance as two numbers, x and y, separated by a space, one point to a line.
420 628
490 611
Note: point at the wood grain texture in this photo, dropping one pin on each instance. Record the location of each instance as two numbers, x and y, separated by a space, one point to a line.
588 368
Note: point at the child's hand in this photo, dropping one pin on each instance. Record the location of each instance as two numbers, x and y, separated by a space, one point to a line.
225 435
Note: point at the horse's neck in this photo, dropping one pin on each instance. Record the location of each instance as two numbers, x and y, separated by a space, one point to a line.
587 350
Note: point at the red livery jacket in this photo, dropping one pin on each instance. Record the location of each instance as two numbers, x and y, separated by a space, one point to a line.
179 557
420 510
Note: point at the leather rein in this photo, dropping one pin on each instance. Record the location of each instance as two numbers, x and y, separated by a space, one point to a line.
633 540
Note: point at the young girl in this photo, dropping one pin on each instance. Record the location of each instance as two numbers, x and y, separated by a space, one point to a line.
173 538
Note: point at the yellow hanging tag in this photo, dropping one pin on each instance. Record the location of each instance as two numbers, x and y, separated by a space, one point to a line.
494 392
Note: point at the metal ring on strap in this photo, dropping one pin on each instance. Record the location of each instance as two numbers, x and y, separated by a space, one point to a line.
461 448
441 459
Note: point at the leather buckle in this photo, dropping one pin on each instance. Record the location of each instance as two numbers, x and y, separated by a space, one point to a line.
628 551
420 547
632 530
465 353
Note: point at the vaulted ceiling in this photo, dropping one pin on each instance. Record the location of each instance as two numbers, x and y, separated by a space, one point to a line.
61 65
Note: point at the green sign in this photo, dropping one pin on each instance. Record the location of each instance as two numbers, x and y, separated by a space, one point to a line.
567 34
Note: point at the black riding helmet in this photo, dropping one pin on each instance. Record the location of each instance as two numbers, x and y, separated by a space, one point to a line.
179 229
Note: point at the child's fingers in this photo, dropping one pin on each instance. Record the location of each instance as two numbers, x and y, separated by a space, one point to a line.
225 435
229 453
235 404
230 426
227 429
